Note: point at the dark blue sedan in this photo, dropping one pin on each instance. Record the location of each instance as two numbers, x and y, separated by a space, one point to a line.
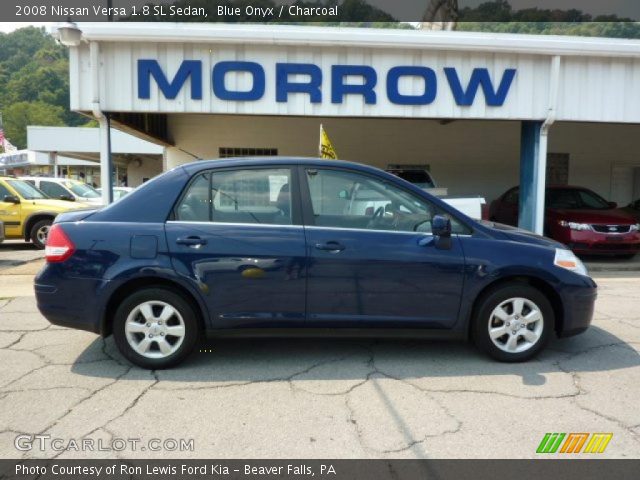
284 246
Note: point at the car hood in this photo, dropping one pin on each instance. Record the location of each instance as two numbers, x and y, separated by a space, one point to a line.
611 216
520 235
56 205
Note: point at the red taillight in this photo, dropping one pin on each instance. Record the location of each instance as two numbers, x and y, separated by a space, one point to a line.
58 247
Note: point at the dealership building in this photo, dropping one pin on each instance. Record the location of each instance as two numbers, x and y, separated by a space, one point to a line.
483 112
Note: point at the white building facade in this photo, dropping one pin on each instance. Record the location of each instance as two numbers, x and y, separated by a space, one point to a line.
483 111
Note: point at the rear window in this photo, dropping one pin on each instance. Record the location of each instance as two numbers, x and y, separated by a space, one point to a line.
420 178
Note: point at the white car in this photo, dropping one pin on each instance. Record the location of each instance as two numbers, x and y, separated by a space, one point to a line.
66 189
118 192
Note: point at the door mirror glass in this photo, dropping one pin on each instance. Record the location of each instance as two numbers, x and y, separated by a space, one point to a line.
441 226
67 198
11 199
343 194
613 205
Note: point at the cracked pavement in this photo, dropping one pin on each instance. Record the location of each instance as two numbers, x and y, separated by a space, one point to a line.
323 398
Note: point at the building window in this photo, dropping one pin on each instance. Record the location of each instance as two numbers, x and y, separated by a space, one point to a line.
227 152
557 169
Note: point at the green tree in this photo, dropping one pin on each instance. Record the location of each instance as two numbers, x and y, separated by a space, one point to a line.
19 115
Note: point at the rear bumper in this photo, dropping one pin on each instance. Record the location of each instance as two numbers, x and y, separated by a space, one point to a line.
68 302
578 305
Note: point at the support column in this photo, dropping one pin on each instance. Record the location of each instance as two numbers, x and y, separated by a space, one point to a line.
53 161
533 172
106 166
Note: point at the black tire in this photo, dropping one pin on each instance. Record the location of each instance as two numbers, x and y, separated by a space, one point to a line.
185 312
483 316
36 232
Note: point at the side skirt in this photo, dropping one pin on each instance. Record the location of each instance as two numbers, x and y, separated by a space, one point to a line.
404 333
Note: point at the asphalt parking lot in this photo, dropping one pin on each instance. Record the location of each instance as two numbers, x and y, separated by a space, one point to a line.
317 398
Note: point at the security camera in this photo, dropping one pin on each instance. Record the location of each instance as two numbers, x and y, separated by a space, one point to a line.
69 34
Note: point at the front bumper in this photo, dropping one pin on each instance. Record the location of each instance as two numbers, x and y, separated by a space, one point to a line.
593 243
578 308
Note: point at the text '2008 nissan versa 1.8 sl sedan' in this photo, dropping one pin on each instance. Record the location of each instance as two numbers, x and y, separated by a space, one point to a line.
286 246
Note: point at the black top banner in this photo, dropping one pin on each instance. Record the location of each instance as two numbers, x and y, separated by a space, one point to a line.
431 12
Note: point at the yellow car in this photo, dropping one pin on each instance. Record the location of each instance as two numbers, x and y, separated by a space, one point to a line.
27 212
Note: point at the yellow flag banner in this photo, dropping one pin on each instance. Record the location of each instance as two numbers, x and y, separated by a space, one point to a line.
326 147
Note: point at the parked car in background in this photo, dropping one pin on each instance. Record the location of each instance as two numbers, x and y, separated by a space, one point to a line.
305 246
579 218
66 189
27 212
118 192
474 207
633 209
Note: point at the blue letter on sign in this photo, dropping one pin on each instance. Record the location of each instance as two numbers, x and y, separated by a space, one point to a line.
339 89
430 85
221 70
480 77
150 68
312 87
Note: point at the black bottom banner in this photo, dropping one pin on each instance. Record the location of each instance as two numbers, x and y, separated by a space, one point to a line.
577 469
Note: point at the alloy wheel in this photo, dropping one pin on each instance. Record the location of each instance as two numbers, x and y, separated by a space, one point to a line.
42 233
516 325
155 329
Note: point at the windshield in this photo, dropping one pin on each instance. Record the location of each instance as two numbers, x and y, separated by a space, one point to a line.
575 199
26 190
82 189
420 178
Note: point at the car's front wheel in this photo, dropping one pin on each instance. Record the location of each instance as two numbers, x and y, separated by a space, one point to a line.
155 328
39 232
513 322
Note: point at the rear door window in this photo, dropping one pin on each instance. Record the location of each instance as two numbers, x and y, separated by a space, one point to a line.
52 189
253 196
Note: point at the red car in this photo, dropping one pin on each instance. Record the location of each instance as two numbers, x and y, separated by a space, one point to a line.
579 218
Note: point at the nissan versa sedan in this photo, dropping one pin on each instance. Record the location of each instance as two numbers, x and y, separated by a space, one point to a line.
289 246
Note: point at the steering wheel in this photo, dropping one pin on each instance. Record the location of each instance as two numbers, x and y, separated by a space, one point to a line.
376 215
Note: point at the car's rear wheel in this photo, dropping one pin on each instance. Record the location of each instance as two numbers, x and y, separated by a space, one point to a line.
39 232
156 328
513 322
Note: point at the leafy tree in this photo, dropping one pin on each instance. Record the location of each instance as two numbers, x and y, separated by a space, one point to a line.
34 83
19 115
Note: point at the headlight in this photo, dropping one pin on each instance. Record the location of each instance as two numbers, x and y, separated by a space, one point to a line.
635 228
574 225
567 259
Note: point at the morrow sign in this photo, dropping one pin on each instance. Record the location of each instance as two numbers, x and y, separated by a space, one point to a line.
307 79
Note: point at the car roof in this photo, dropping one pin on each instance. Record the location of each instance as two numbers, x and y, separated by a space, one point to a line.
276 160
49 179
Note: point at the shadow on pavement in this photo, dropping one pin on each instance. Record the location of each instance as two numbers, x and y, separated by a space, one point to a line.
244 360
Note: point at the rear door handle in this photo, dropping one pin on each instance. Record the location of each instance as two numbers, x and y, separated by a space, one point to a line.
333 247
191 241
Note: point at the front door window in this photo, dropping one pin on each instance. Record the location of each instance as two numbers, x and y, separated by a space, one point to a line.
351 200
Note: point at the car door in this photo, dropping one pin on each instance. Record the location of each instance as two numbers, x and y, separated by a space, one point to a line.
371 258
237 234
10 213
54 190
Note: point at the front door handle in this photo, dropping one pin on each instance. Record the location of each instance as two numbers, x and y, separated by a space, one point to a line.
333 247
191 241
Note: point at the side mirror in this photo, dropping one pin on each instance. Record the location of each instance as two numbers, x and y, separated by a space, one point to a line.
11 199
612 204
67 198
441 226
441 229
343 194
